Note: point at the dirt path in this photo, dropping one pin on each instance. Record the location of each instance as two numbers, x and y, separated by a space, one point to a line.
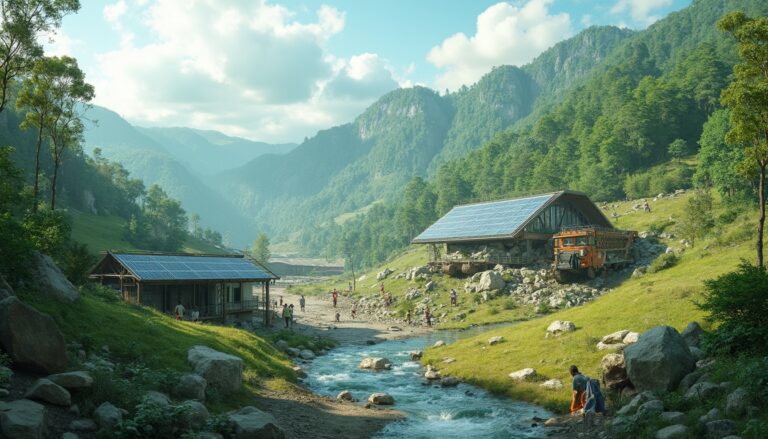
305 415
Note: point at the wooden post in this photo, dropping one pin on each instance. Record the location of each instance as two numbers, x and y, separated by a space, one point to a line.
223 303
266 305
138 292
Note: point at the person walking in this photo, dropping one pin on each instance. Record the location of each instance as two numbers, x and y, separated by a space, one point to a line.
290 316
408 316
335 296
454 296
302 302
179 311
428 316
284 314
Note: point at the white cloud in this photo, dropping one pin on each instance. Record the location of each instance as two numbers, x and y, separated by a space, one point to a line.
114 12
640 10
246 68
506 34
58 43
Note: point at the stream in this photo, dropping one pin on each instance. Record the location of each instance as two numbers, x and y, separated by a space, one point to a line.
431 411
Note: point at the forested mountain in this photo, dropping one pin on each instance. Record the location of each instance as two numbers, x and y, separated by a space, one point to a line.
180 160
406 133
618 131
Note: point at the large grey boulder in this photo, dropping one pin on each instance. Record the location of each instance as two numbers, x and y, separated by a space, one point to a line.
672 418
375 363
721 428
659 360
73 380
50 280
251 423
31 338
344 395
614 371
223 372
692 334
47 391
704 391
190 386
737 402
157 398
22 419
490 280
526 374
5 290
560 326
381 399
199 413
107 416
673 432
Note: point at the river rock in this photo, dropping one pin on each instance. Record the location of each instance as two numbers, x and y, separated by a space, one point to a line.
614 371
439 343
659 360
616 337
31 338
673 432
672 418
495 340
190 386
560 326
344 395
157 398
737 402
50 280
552 384
721 428
610 347
199 413
251 423
83 425
282 345
631 337
449 381
415 355
431 373
692 334
299 372
307 354
526 374
47 391
222 372
73 380
381 399
293 352
490 280
650 409
375 363
703 391
107 416
22 419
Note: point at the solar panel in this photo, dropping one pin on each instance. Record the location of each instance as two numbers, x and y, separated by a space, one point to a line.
181 267
484 219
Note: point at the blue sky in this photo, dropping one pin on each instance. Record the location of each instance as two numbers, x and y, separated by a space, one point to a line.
281 70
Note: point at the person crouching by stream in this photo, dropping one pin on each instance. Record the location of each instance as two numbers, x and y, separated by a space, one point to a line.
587 397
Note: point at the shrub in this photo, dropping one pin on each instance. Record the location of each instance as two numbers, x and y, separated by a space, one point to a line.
153 420
76 262
697 217
493 311
738 301
509 304
667 260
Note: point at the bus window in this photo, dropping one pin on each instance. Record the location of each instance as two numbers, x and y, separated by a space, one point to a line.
568 242
591 240
581 240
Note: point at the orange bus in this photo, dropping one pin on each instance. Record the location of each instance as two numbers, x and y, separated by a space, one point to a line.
589 250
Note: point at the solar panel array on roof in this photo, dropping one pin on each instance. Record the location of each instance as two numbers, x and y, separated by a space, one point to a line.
496 218
179 267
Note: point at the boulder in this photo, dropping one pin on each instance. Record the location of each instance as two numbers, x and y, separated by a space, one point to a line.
299 372
431 373
282 345
415 355
293 352
737 402
632 406
526 374
712 415
614 371
107 416
697 353
721 428
199 415
703 391
659 360
381 399
429 286
190 386
73 380
50 280
157 398
223 372
251 423
307 354
560 326
650 409
47 391
553 384
673 432
692 334
689 380
672 417
616 337
83 425
344 395
383 274
495 340
631 337
449 381
375 363
439 343
22 419
490 280
610 347
5 290
31 338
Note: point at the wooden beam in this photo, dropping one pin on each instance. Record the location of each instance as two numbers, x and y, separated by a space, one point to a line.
266 305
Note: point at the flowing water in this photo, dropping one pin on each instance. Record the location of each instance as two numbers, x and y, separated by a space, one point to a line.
432 411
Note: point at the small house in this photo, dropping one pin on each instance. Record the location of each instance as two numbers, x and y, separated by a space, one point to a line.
219 286
516 231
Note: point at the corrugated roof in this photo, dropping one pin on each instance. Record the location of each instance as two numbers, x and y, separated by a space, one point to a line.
159 267
504 218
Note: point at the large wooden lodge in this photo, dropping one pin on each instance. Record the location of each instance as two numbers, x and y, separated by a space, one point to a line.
220 287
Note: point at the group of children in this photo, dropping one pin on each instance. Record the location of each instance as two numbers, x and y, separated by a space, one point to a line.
287 313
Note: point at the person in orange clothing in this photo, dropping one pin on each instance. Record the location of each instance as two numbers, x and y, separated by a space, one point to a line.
579 389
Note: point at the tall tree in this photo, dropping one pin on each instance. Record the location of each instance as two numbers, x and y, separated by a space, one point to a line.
260 250
747 98
70 95
22 22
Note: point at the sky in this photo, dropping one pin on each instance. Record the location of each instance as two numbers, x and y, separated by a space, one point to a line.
279 71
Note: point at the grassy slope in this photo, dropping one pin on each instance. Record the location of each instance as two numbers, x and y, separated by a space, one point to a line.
102 233
665 297
160 342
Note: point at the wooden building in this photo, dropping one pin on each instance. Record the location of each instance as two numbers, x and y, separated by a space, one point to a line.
516 231
219 286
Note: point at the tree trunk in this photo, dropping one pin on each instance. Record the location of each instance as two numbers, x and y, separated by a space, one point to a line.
56 163
761 220
37 168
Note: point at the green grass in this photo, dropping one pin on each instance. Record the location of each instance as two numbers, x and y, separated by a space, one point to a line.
160 342
105 232
663 298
